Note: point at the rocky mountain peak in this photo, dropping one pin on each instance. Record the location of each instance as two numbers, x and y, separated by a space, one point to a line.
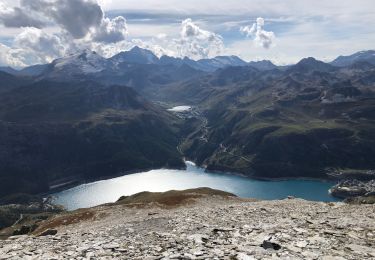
310 64
136 55
262 65
86 62
343 61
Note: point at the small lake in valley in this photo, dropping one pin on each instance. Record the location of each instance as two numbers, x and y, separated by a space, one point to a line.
104 191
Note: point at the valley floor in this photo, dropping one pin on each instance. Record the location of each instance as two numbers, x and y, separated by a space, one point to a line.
204 227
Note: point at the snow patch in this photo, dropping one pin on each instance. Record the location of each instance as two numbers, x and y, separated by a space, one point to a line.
180 109
88 62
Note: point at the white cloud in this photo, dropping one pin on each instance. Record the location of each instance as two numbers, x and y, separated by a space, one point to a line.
75 16
8 57
274 8
80 24
110 30
46 46
322 29
105 3
17 17
79 18
197 43
192 41
261 37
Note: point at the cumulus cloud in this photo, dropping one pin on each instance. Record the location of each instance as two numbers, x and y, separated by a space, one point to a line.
111 30
79 18
75 16
17 17
261 37
198 43
192 42
82 24
9 57
43 45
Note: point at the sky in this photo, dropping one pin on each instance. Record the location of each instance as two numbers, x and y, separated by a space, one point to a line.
39 31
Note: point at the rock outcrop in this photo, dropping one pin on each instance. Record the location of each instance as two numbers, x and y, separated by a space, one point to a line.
353 188
210 226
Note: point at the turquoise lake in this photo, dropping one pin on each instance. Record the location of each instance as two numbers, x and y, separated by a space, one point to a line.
95 193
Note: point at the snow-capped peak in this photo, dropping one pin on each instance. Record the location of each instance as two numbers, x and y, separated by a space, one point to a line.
86 62
230 60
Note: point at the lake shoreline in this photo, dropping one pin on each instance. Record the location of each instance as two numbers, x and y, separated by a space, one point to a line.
272 179
107 190
61 187
79 182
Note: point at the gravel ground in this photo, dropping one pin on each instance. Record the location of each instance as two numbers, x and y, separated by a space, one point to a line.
213 227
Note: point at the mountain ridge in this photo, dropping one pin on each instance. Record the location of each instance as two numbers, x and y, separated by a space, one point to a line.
139 55
343 61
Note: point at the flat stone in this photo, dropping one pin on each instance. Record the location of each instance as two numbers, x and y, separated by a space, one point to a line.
301 244
359 249
243 256
198 238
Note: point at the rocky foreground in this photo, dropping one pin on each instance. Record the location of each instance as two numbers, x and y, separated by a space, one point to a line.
202 224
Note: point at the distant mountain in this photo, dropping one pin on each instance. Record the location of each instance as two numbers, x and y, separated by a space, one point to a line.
135 55
310 64
343 61
9 70
195 64
184 72
208 65
127 67
232 75
229 61
361 65
90 62
167 60
262 65
34 70
76 66
219 62
142 56
9 81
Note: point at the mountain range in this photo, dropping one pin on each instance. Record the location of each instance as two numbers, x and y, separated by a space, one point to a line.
89 62
84 117
138 55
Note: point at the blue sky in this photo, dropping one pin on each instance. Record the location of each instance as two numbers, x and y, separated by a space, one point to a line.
293 29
